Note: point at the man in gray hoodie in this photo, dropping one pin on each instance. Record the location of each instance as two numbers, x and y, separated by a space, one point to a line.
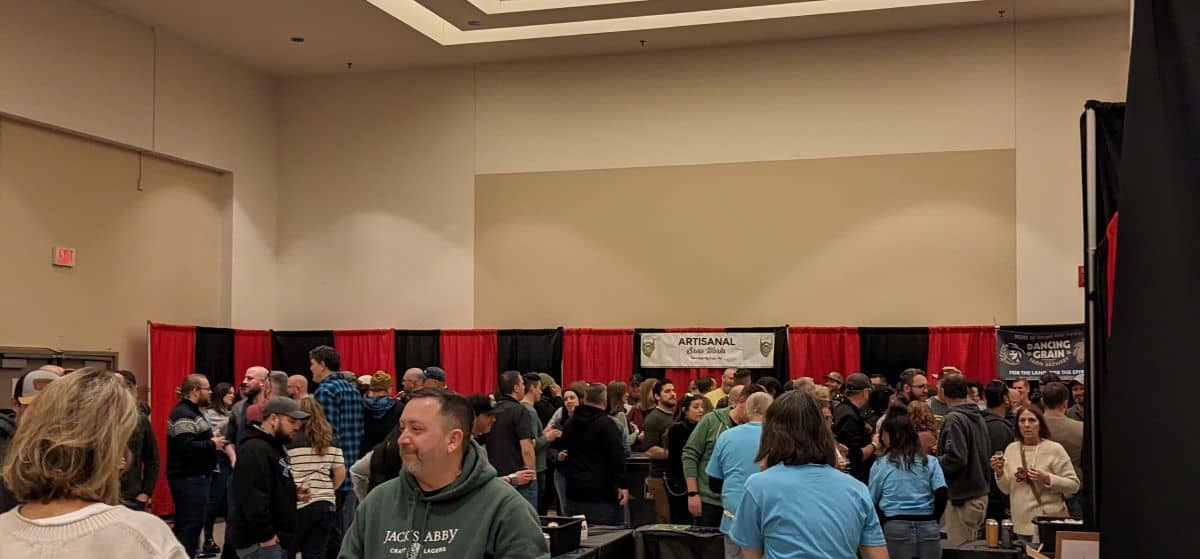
447 502
965 448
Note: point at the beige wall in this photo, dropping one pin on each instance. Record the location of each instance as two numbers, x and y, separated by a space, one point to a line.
929 91
70 65
160 252
376 226
872 240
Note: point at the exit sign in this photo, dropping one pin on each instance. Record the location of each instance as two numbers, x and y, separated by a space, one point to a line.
64 256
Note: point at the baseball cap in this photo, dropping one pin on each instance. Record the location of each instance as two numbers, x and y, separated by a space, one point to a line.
281 405
858 381
434 373
31 384
365 379
482 405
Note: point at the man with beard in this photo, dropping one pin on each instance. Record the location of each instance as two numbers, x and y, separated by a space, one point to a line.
914 385
266 518
254 392
657 421
447 501
410 382
191 458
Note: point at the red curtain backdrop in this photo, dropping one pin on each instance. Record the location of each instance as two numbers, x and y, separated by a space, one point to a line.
367 351
250 348
681 378
1111 268
972 349
172 357
597 355
817 351
469 359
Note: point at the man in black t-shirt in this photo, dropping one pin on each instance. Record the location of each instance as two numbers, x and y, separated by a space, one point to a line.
851 430
654 427
510 445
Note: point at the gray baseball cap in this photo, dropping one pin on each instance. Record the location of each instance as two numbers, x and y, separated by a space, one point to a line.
282 405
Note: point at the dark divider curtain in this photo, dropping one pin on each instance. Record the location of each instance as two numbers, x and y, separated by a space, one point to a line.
417 349
596 355
251 348
1156 305
214 354
782 362
888 351
817 351
971 349
530 351
172 357
290 351
469 359
367 351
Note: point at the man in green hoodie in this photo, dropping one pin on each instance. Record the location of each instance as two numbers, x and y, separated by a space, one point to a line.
447 502
704 503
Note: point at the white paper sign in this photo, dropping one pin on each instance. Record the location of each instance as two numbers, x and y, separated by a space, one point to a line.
708 349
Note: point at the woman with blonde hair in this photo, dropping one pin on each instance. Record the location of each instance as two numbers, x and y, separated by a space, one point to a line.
321 466
64 464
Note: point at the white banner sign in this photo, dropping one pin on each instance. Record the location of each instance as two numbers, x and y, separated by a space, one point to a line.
709 349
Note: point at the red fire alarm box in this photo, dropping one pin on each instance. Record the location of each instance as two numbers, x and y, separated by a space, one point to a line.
64 257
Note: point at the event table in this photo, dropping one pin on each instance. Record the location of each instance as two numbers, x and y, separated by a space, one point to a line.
978 549
604 542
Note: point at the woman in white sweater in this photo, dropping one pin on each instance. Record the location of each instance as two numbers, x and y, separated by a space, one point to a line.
1035 473
64 465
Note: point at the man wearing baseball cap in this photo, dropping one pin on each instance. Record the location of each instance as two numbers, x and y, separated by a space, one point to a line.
381 412
433 377
851 430
265 518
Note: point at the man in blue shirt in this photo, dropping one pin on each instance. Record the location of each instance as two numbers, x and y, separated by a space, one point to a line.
343 407
733 462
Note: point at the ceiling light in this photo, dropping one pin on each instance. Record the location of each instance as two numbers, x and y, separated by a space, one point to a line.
473 23
297 40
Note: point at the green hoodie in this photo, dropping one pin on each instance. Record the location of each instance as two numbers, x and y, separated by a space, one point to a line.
476 516
699 450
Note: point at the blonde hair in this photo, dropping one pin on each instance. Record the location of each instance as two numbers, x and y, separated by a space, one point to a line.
818 391
316 427
70 442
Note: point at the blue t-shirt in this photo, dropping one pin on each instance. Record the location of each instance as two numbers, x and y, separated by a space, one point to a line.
900 491
733 461
806 512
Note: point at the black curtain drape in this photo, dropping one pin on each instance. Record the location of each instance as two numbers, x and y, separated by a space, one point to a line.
1109 132
417 348
889 351
780 370
214 354
1156 307
528 351
290 351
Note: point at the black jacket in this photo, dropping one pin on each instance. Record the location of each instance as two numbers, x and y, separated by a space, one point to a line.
378 422
851 430
965 453
546 407
190 449
141 473
595 466
385 460
262 481
1000 435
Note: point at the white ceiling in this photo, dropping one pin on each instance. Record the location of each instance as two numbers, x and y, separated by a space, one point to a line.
338 32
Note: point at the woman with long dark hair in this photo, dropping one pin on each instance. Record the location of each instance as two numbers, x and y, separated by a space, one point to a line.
909 489
800 505
217 415
691 408
618 393
571 400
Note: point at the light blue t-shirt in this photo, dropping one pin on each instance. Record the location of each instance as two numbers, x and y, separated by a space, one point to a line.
900 491
806 512
733 461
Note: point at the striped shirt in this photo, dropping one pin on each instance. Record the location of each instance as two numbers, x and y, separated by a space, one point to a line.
315 469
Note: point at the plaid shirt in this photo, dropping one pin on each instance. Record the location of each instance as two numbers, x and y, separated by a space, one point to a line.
343 407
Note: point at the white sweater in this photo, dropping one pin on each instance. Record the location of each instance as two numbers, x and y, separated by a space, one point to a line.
1047 456
97 531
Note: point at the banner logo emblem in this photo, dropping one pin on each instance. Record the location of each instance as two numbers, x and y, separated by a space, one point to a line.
647 346
765 346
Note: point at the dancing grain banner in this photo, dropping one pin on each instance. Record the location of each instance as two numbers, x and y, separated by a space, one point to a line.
708 349
1027 352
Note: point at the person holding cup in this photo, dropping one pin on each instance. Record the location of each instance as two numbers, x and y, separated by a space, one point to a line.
1035 472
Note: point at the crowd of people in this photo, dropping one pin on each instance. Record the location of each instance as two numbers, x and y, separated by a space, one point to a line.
360 468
